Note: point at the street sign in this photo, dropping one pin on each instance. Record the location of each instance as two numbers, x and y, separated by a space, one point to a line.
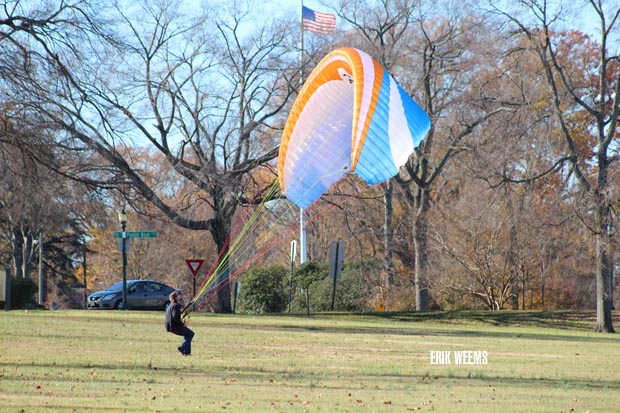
336 261
336 258
135 234
293 251
194 266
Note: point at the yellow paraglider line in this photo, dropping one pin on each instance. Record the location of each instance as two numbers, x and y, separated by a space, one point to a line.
224 262
240 248
368 77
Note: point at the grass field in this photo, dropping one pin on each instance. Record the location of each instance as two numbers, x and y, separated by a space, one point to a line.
90 361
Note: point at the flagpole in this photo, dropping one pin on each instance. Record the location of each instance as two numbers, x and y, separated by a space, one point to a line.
302 220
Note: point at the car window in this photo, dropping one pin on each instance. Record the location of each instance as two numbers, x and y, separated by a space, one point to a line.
116 287
155 288
138 288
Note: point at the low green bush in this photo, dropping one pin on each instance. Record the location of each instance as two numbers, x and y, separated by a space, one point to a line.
263 290
267 289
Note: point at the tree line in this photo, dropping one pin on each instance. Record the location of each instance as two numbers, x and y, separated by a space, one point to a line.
175 115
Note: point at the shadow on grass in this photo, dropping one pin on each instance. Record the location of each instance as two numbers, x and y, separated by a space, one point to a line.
484 324
531 381
422 378
92 366
561 319
582 320
542 335
259 376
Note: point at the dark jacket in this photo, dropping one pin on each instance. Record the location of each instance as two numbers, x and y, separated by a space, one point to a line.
173 319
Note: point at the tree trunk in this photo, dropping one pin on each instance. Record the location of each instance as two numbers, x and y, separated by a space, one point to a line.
17 254
224 304
604 321
221 231
523 282
420 237
604 234
23 252
542 285
388 240
514 273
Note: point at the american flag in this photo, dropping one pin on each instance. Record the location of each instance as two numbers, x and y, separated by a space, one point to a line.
318 22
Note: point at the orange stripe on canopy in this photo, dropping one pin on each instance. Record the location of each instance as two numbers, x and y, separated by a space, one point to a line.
350 115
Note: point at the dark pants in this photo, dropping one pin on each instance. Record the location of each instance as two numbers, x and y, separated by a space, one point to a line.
186 345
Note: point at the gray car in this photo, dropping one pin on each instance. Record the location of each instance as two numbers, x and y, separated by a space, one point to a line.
141 295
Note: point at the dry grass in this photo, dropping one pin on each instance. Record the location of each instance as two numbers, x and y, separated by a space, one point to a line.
124 362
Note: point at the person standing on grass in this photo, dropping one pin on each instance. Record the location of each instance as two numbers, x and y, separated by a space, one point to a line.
176 326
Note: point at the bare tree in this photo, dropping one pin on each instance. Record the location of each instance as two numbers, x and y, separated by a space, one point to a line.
206 93
476 244
586 104
382 30
42 215
22 215
431 55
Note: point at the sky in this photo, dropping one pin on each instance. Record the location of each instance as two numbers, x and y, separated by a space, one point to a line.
578 13
294 6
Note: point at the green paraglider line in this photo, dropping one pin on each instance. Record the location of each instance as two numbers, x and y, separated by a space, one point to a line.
223 263
215 281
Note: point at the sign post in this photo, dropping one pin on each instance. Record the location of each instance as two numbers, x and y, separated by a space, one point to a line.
194 266
124 244
290 284
336 261
235 295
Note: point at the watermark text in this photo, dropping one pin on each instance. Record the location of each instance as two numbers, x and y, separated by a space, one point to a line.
459 357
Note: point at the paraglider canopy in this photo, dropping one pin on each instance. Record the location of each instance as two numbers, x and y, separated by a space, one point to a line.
349 116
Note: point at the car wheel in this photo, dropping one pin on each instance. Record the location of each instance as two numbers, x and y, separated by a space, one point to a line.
117 305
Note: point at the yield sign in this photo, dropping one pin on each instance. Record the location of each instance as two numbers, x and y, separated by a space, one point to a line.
194 266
